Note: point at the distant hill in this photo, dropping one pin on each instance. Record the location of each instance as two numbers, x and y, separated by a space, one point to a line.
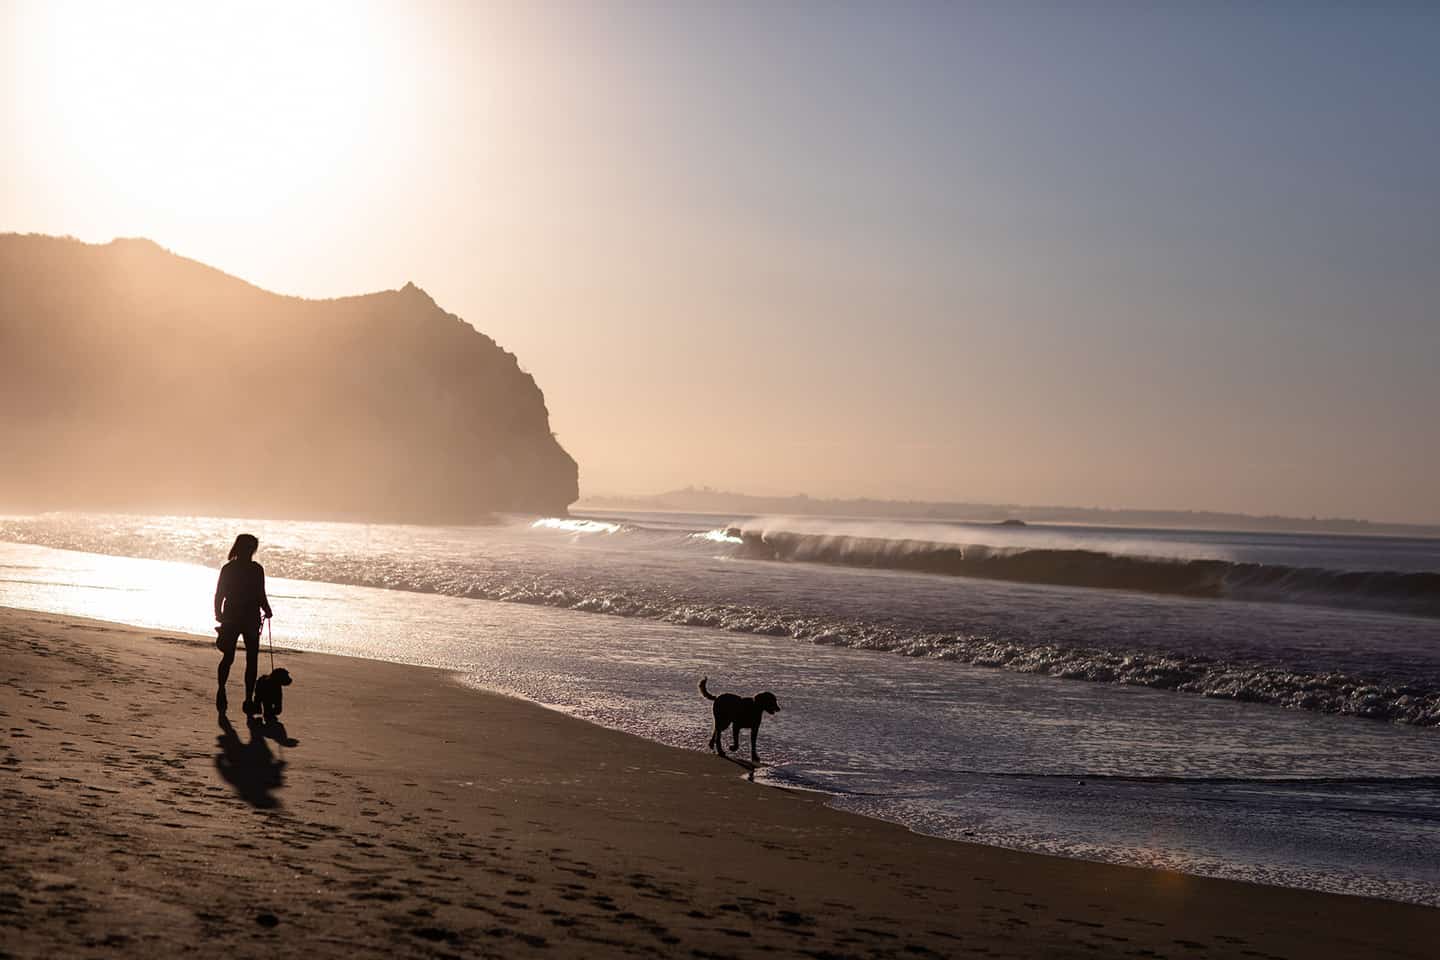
135 379
691 500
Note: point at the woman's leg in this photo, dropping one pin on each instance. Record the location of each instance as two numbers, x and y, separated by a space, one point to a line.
225 639
252 660
223 674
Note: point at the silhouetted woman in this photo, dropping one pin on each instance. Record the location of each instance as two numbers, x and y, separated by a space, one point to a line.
240 602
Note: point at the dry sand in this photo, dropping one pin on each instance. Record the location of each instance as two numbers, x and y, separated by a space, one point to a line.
413 817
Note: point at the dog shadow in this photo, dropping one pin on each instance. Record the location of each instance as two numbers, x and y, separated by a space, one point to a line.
252 769
745 765
271 730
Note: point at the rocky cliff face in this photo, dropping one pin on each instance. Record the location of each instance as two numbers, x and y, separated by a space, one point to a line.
134 379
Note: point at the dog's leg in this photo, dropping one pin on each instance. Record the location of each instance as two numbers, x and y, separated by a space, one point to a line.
754 732
735 737
715 740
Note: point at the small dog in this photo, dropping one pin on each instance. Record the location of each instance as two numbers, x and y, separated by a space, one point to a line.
268 693
736 712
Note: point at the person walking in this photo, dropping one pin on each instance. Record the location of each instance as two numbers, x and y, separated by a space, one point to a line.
240 605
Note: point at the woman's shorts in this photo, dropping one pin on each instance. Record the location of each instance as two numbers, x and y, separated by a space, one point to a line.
228 633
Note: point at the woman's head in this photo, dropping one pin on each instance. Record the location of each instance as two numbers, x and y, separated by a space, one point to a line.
245 547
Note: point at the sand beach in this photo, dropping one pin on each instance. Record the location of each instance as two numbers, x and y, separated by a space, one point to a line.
398 813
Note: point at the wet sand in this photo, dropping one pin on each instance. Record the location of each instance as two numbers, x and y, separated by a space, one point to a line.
397 813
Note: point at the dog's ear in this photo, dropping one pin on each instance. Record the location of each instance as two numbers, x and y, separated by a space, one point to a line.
768 703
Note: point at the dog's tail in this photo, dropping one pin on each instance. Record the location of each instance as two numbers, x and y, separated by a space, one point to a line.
703 692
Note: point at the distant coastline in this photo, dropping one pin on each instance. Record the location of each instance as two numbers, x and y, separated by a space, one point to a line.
705 500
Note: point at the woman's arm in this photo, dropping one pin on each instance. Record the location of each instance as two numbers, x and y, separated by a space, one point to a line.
264 600
220 593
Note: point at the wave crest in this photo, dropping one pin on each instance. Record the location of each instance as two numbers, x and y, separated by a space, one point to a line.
574 525
1413 593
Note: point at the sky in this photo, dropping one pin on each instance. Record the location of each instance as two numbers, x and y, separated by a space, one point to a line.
1152 255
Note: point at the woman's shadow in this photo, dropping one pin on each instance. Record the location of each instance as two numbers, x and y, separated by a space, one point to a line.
252 768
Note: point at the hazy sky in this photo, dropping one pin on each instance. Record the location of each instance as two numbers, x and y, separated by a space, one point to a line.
1116 254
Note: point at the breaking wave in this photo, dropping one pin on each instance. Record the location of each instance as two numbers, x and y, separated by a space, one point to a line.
1415 593
572 525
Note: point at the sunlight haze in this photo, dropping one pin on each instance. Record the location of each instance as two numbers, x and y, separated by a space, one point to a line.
1180 258
719 478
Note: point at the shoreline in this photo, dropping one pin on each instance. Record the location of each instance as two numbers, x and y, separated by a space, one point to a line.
401 812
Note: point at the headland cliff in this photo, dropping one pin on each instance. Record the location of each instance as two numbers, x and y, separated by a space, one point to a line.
134 379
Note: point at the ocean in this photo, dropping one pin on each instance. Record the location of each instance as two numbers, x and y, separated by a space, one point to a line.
1256 706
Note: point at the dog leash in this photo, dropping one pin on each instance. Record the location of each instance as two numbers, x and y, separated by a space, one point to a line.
270 635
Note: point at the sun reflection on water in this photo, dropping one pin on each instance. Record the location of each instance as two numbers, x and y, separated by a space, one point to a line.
174 596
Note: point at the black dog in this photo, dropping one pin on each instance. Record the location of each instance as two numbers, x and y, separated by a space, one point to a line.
736 712
268 695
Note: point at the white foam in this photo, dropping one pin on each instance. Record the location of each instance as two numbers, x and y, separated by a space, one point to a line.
572 525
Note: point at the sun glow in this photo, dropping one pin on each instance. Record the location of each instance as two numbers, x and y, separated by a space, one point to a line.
229 109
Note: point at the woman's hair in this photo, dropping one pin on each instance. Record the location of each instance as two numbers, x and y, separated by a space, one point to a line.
245 547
